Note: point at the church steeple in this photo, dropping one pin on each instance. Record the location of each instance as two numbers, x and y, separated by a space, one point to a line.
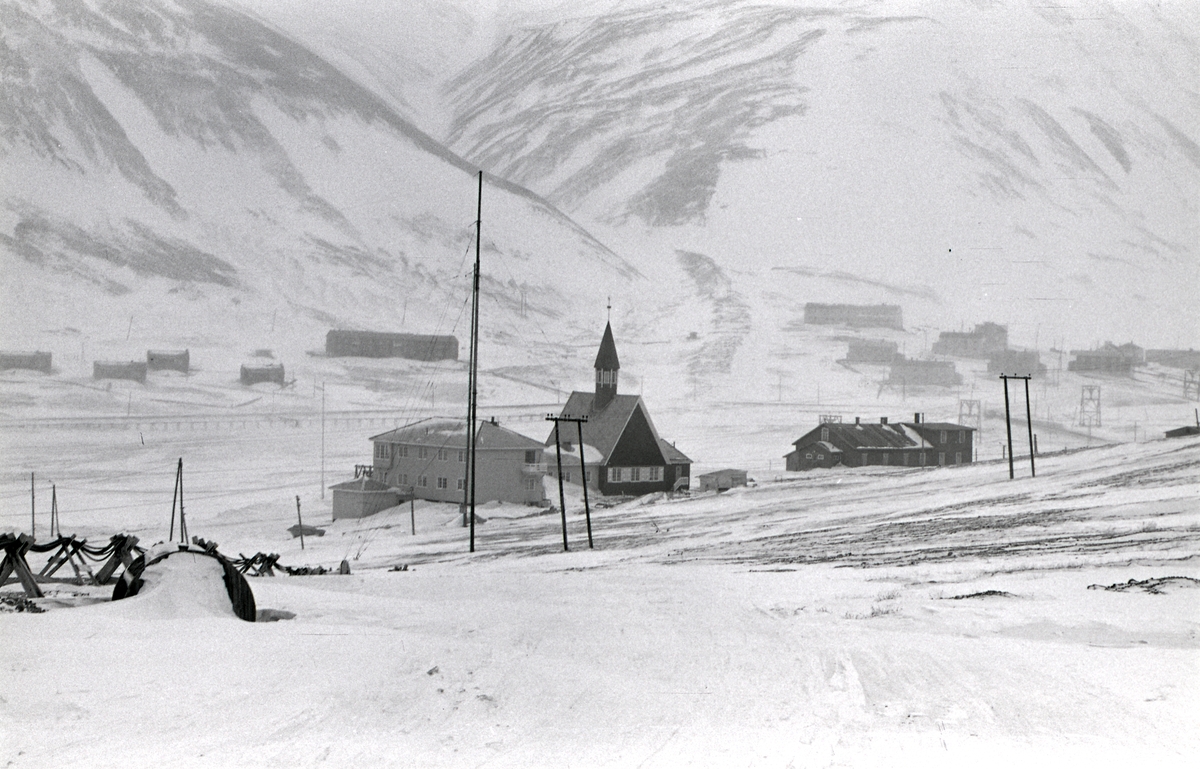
607 367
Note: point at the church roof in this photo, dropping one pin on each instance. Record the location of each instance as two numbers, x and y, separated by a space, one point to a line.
606 358
605 426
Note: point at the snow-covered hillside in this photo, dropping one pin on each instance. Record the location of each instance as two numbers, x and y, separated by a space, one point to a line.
186 166
867 618
1029 163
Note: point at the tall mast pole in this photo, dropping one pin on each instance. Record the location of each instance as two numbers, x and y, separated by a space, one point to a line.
474 383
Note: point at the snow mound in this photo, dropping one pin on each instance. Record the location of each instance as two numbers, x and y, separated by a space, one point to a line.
182 585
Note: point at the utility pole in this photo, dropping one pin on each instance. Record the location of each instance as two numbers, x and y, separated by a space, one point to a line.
178 496
300 522
587 510
473 388
1028 423
322 441
562 502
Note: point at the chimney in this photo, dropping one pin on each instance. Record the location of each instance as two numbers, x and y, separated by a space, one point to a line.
917 417
857 420
883 420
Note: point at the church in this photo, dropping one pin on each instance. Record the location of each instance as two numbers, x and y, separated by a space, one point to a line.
622 451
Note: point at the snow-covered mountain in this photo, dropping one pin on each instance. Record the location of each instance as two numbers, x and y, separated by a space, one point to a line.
1024 162
184 164
249 173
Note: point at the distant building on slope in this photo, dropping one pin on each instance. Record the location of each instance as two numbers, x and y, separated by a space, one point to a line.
907 444
109 369
875 351
33 361
985 340
430 459
906 372
252 374
1016 362
168 360
854 315
379 344
623 453
1185 359
1109 359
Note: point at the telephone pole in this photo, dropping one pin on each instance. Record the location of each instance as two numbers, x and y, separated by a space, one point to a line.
1028 423
587 511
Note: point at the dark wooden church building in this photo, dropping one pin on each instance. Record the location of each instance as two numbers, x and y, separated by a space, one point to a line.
622 451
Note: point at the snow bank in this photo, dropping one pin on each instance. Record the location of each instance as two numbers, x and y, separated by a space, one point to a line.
181 585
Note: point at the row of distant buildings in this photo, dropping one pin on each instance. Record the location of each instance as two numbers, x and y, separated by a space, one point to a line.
616 451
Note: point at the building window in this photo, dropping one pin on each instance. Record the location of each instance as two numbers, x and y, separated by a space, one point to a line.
942 438
614 475
462 455
567 476
941 458
885 458
820 456
531 457
443 483
404 480
531 484
381 451
655 473
459 484
907 459
422 481
587 476
403 451
422 452
635 474
958 457
922 459
442 454
808 455
962 436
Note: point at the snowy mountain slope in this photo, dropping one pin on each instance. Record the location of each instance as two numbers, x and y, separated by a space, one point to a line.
1031 164
174 160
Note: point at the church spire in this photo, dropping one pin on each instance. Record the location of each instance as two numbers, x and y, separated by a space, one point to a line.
607 366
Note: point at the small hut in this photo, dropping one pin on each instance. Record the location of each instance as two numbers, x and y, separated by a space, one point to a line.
722 480
255 373
116 369
33 361
362 497
168 360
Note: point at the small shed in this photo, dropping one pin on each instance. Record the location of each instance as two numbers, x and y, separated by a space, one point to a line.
110 369
255 373
1183 432
362 497
34 361
168 360
722 480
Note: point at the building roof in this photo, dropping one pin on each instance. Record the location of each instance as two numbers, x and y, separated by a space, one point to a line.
361 484
715 473
673 455
606 358
604 427
866 436
452 433
940 425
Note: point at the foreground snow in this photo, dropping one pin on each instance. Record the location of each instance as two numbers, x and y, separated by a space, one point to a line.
876 618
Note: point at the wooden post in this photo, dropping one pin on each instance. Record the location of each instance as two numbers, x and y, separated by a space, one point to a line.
300 521
1008 425
1029 424
587 512
412 512
32 508
562 503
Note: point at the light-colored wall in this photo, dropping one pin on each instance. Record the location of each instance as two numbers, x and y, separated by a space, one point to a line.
499 475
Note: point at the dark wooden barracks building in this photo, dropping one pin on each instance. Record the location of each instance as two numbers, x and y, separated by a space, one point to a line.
902 444
622 450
